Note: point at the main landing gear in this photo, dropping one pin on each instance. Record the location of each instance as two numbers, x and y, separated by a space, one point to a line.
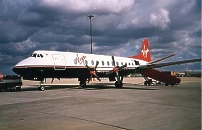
116 70
118 84
82 83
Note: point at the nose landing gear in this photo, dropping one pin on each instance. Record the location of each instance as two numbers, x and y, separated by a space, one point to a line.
41 87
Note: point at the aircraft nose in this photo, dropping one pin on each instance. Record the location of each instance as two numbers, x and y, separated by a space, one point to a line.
17 70
20 68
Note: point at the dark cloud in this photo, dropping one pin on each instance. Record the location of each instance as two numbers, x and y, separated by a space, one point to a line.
118 28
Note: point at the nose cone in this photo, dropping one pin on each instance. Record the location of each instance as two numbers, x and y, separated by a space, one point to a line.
16 70
20 67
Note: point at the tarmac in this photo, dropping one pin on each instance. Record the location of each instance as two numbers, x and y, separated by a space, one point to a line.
101 106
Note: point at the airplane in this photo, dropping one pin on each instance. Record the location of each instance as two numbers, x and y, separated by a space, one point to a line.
42 64
196 73
1 76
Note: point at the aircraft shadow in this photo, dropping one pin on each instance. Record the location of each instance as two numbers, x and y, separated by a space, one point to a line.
97 86
94 86
111 86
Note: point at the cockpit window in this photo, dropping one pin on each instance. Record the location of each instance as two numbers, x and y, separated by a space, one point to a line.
36 55
41 55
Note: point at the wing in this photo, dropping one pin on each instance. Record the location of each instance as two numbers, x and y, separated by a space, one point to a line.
141 68
162 59
168 64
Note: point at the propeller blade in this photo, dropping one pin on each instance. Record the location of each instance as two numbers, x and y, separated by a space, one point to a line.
96 65
118 77
97 77
113 61
90 78
110 72
52 80
121 78
88 67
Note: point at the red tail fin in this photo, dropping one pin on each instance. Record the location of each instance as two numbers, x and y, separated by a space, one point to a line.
144 53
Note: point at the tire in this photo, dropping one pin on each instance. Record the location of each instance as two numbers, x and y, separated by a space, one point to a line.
145 83
118 85
41 88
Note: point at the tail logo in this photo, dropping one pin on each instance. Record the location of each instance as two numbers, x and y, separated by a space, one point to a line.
144 52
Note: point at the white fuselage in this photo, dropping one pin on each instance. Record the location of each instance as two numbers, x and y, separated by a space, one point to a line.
64 60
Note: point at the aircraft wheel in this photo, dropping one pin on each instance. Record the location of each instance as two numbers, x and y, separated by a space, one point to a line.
41 88
145 83
118 85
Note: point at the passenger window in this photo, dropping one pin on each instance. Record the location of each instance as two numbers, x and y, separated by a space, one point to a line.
117 63
121 63
103 63
86 62
75 61
38 55
108 63
41 55
92 62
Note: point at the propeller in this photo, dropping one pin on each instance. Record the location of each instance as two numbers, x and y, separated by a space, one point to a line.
53 79
93 71
116 69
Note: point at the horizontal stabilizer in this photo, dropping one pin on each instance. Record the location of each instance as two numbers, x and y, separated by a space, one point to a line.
161 76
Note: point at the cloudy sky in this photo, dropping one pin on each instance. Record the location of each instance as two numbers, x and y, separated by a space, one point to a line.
119 26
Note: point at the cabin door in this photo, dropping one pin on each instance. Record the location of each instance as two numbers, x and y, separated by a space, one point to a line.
59 62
